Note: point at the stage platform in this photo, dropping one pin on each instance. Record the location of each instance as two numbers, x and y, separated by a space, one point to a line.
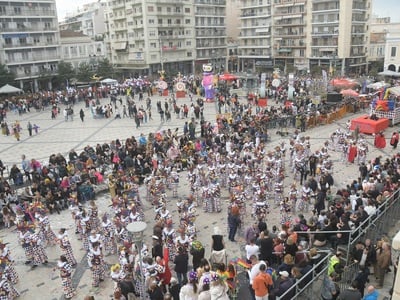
366 125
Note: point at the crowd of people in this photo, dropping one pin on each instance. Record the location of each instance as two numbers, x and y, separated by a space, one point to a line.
230 156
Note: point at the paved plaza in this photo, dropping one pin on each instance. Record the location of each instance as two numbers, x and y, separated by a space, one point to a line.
58 136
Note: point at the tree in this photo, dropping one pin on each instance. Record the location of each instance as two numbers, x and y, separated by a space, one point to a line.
65 72
6 77
104 68
84 74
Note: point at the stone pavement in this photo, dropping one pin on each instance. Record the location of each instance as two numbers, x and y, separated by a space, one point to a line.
59 136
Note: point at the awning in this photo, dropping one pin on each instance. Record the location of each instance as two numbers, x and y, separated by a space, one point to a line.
327 49
284 50
120 46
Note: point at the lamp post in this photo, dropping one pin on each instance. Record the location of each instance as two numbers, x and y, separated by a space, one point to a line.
136 233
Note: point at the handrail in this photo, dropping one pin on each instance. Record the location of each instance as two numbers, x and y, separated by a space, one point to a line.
324 262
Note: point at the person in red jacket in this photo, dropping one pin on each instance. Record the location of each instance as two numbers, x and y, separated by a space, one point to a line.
261 284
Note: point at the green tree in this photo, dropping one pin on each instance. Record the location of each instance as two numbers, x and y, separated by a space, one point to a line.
65 72
84 74
6 77
104 68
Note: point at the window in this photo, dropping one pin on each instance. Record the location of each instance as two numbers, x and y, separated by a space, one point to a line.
17 10
8 41
159 9
49 39
22 41
169 21
151 21
188 43
168 9
187 10
178 21
3 10
153 45
152 33
36 39
393 52
189 54
150 8
187 21
153 57
159 21
177 9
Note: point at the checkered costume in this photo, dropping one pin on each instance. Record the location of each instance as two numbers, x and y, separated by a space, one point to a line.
39 254
24 239
65 274
85 227
5 290
67 248
94 218
46 233
9 272
108 231
96 264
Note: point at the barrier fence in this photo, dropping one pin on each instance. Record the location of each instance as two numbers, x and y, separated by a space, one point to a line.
374 227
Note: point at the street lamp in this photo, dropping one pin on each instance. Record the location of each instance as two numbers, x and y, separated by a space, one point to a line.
136 233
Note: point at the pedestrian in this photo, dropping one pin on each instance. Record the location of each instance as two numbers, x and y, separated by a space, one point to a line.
383 257
351 293
96 264
66 247
262 283
82 115
66 277
328 290
36 128
39 254
181 262
372 294
233 222
65 113
394 140
30 127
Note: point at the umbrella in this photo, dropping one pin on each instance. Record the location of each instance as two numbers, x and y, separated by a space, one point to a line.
227 77
389 73
378 85
343 82
349 93
9 89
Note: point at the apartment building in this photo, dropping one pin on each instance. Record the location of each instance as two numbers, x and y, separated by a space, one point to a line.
89 20
30 46
210 34
305 34
148 36
340 35
255 39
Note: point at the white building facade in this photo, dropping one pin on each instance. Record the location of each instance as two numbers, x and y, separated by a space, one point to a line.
30 42
77 48
303 34
89 20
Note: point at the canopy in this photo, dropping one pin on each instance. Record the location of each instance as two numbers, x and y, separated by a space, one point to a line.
349 93
378 85
227 77
395 90
389 73
9 89
109 81
343 82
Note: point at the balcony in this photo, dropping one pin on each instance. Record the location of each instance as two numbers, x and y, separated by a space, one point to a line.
30 45
40 13
207 2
